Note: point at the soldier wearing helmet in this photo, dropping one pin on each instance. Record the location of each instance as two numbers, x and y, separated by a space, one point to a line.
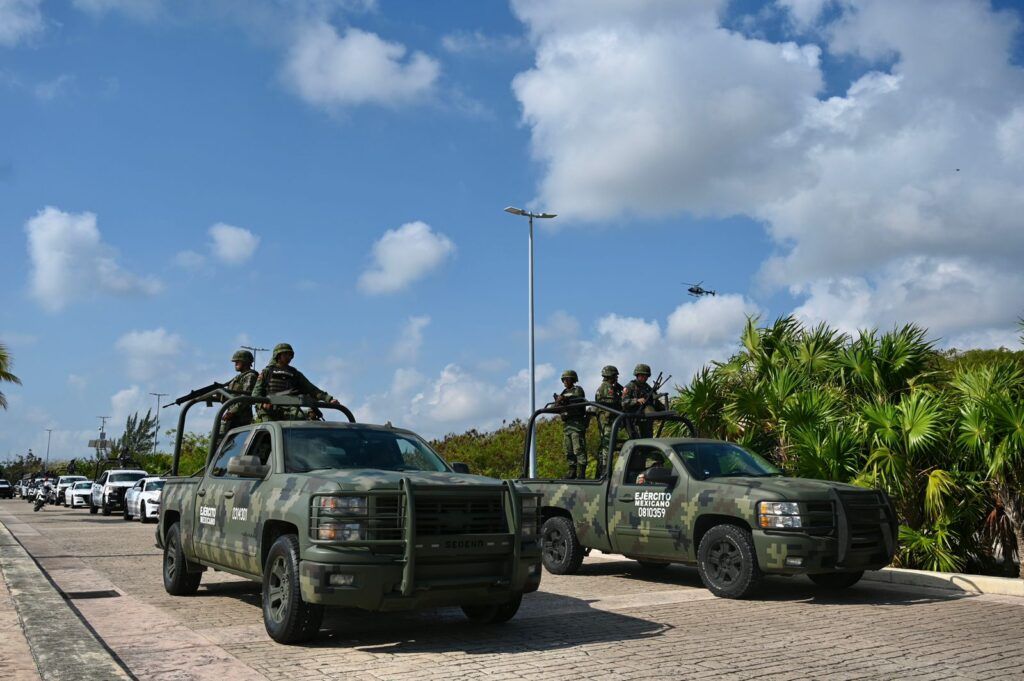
242 384
574 425
610 395
280 378
637 396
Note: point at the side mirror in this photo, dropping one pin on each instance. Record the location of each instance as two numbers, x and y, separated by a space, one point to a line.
658 475
460 467
247 467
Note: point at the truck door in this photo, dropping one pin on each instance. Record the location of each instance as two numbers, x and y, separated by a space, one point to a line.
236 536
211 502
639 513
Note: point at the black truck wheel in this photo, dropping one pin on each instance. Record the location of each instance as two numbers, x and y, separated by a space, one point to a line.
92 509
727 563
561 551
125 514
286 616
837 580
493 614
105 508
178 581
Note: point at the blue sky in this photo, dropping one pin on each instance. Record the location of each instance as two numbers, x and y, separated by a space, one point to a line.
177 178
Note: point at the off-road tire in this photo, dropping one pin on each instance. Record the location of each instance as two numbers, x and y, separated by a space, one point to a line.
287 618
125 514
561 551
92 509
178 581
653 564
837 580
727 562
105 509
493 614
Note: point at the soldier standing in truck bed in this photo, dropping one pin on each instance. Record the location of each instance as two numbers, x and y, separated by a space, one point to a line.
637 396
574 425
610 395
280 378
242 384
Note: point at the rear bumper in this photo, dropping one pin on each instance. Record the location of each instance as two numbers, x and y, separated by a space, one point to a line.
378 586
782 553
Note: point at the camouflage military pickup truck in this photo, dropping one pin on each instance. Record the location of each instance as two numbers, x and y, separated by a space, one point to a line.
714 505
346 514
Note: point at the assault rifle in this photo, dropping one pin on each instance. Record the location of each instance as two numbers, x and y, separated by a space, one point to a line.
198 392
656 386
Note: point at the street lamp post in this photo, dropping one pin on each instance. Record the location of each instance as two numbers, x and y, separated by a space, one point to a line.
533 369
156 434
46 466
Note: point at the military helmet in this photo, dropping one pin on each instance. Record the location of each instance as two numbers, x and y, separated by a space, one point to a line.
281 347
609 371
569 373
242 356
641 369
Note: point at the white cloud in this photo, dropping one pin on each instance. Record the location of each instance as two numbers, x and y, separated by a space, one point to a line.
407 347
51 89
478 43
189 260
404 255
137 9
78 383
331 70
232 245
123 404
70 261
19 21
149 353
560 326
653 108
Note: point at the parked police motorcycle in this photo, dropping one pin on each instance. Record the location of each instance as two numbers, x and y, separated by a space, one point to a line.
42 496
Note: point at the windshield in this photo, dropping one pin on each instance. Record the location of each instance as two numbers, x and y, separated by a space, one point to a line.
308 449
154 485
126 477
723 460
83 485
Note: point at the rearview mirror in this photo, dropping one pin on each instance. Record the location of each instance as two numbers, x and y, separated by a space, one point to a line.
247 467
658 475
460 467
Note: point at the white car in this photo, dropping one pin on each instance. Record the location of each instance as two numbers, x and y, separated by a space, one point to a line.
77 495
63 483
142 500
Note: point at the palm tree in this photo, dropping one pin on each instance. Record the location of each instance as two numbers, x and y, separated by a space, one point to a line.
5 373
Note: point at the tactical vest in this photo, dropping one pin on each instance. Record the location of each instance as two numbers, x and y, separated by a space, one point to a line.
237 384
281 381
609 394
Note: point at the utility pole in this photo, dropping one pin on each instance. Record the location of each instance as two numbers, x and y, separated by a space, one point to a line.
156 435
253 350
101 445
46 466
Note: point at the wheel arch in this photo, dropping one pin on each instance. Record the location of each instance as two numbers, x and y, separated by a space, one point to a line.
272 529
708 520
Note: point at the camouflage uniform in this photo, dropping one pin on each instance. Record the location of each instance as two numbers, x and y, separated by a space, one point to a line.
284 380
610 395
634 391
237 414
574 428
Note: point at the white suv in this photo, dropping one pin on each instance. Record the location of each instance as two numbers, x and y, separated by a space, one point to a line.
108 489
142 500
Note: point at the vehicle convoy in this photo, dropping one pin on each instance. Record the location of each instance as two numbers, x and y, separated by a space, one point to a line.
345 514
109 489
715 505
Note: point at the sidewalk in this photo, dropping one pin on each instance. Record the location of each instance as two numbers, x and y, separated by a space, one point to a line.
43 636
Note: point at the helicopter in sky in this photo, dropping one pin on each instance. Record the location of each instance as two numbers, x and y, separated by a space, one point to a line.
696 290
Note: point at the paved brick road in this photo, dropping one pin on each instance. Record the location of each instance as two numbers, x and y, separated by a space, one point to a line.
614 620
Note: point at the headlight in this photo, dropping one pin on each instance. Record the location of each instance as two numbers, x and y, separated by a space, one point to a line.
340 532
343 505
778 515
530 505
108 489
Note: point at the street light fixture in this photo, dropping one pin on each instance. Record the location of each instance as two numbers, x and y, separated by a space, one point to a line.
46 466
156 434
533 372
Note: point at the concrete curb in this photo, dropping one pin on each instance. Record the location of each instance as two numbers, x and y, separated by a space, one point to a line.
950 581
62 646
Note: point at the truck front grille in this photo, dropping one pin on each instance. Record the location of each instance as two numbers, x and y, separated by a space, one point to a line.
468 514
867 527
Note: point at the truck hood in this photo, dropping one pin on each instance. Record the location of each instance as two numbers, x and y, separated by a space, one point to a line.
372 479
786 489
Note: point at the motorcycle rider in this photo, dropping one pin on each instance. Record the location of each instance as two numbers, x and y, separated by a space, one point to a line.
43 495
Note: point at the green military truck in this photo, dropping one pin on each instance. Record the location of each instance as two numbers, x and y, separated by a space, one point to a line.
715 505
345 514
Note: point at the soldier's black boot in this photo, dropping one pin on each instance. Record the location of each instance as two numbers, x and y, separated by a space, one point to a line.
572 472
